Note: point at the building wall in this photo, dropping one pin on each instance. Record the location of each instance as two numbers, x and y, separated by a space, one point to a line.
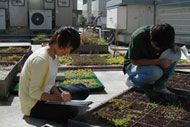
99 7
87 10
95 8
176 13
102 7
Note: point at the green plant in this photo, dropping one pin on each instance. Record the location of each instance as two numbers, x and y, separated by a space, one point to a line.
86 82
89 60
79 73
148 105
12 49
93 59
119 103
171 111
119 122
67 60
116 60
182 61
90 37
10 58
124 121
41 37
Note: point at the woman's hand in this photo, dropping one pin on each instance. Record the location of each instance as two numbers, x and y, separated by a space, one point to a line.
165 63
65 96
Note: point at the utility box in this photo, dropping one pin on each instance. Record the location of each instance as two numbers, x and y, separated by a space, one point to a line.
2 19
117 17
129 15
49 4
64 12
4 4
18 12
40 19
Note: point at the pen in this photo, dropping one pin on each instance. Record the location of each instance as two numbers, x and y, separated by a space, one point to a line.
62 91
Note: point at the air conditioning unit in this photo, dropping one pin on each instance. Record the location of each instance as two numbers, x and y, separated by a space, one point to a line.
40 19
2 19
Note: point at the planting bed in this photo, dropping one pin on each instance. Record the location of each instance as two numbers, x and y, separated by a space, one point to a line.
5 69
92 49
91 59
8 72
4 58
141 109
11 62
180 81
15 49
97 61
84 76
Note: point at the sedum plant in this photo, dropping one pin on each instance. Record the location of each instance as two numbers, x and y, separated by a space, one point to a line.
10 58
41 37
86 82
182 61
79 73
12 49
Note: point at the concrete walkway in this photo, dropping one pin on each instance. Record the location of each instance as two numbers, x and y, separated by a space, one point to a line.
11 116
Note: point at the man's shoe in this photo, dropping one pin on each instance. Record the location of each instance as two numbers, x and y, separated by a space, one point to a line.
164 90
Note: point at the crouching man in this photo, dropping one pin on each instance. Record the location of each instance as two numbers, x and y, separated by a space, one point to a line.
151 57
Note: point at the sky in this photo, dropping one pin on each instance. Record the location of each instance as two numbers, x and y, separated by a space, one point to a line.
79 4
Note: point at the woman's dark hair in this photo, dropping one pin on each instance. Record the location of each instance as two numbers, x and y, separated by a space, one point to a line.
163 35
64 36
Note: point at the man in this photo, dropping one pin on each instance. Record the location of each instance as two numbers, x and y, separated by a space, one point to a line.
151 57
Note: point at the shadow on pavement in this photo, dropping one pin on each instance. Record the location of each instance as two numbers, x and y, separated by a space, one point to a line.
42 123
6 101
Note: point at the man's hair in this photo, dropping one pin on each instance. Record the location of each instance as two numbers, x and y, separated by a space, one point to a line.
64 36
163 35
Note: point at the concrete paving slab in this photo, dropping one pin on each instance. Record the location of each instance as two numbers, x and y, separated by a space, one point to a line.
114 85
14 44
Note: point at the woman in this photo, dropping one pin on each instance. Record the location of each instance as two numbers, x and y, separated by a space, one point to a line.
38 75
